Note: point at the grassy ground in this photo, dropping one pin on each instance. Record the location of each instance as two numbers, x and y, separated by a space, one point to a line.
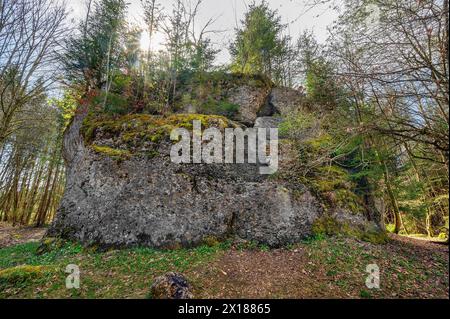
317 268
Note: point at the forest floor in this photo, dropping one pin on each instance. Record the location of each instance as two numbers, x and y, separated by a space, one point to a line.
10 236
316 268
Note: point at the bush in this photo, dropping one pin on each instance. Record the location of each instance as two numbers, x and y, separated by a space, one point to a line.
297 125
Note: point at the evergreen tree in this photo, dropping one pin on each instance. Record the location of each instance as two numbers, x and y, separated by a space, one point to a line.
259 42
94 51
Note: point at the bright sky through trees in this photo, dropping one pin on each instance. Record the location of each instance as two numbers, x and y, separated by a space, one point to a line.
295 13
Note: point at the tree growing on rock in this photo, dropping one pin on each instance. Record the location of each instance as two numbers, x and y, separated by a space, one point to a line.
94 51
259 43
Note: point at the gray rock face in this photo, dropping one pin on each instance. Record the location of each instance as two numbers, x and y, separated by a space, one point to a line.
160 204
286 100
156 203
250 100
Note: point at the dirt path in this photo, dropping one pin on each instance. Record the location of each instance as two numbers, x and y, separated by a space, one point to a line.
10 236
409 268
421 243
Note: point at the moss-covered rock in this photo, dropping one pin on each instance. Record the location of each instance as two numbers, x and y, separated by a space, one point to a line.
334 185
124 137
331 226
238 97
114 153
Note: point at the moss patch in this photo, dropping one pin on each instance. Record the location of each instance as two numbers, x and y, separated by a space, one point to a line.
334 185
111 152
329 226
130 132
20 275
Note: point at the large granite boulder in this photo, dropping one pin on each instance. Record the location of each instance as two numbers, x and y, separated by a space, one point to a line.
123 190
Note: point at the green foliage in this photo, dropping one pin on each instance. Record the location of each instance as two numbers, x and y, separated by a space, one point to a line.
131 44
113 103
322 90
94 51
67 106
329 226
259 42
297 124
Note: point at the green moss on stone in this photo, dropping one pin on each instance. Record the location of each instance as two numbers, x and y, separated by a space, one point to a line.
329 226
129 132
111 152
334 185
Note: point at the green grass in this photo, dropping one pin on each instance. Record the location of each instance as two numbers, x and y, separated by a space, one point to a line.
112 274
336 266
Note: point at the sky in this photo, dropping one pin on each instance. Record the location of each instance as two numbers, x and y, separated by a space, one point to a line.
295 13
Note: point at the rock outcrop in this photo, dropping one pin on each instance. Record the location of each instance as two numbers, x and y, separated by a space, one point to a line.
239 97
114 198
286 100
123 189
